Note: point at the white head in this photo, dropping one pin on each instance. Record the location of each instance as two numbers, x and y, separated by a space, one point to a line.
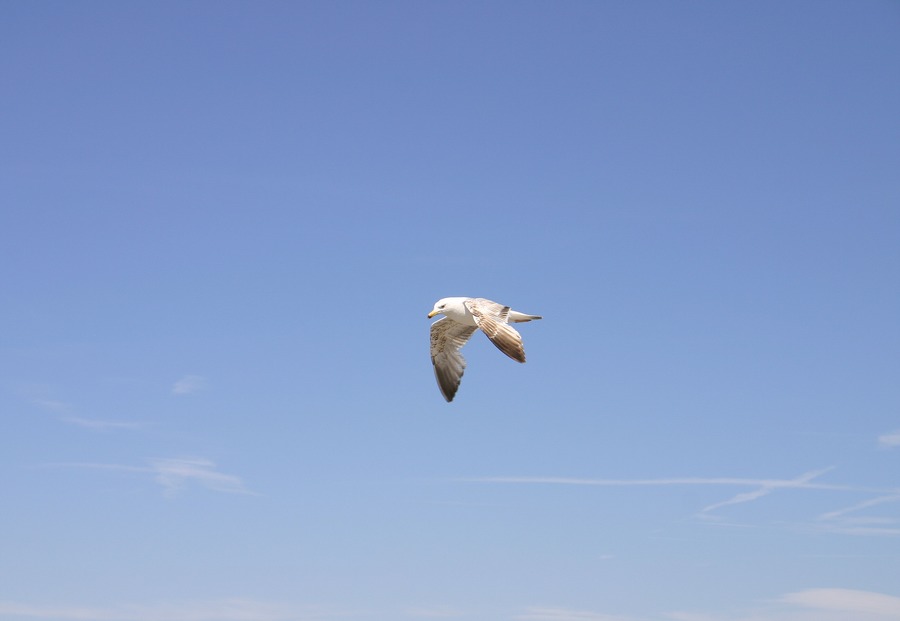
441 306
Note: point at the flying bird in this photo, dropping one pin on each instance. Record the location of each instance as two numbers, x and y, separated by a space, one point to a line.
462 316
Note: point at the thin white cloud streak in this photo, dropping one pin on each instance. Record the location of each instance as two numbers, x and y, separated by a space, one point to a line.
820 604
563 614
795 483
189 384
846 601
65 409
859 506
433 613
219 610
861 531
771 614
52 404
101 425
803 481
175 474
889 440
95 466
839 521
816 604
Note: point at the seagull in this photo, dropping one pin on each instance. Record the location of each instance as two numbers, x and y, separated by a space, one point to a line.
462 316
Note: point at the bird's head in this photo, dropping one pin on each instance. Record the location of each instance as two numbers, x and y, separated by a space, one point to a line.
439 308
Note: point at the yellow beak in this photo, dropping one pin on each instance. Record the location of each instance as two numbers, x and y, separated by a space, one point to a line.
432 314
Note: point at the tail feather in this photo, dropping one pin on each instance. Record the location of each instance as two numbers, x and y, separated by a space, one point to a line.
517 317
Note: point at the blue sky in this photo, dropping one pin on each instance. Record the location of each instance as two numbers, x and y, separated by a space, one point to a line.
223 225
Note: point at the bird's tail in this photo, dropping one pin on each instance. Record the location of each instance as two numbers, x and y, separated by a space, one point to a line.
517 317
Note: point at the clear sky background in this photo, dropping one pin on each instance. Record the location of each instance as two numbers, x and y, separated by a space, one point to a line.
223 224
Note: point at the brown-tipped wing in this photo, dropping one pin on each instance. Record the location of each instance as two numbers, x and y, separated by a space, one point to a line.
491 318
447 337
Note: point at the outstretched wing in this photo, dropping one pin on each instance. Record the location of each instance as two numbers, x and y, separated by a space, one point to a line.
447 337
491 317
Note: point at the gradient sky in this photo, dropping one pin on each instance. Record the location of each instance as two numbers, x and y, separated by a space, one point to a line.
223 225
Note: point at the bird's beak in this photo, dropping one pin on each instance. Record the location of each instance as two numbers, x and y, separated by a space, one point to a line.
432 314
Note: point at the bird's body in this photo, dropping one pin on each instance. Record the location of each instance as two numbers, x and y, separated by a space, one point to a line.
462 316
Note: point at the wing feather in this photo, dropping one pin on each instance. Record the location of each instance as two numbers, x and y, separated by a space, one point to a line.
447 338
491 317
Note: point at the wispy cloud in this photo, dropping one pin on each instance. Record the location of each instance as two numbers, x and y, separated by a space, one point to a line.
101 425
176 474
433 613
859 506
53 405
889 440
840 520
189 384
823 604
767 487
218 610
846 601
804 481
763 487
64 410
659 482
817 604
563 614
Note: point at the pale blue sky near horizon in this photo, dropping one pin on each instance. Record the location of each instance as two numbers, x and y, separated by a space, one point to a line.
223 225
